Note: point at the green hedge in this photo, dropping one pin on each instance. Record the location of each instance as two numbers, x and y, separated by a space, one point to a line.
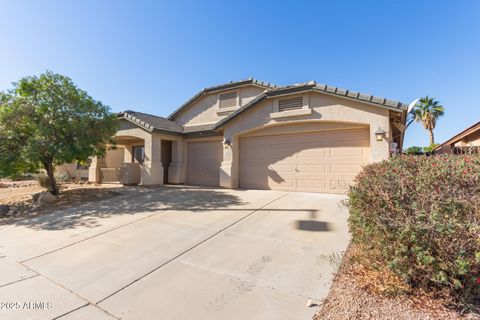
420 217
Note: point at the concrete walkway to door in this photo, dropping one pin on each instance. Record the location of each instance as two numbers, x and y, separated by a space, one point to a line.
175 253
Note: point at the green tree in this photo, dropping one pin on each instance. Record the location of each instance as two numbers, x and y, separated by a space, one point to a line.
414 150
430 148
427 113
47 121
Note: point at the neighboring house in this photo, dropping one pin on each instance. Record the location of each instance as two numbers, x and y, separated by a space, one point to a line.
467 141
252 134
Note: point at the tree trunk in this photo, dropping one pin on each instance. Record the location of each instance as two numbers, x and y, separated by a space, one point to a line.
51 178
432 139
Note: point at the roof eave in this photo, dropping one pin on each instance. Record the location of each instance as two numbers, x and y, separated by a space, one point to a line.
204 133
165 131
402 107
145 126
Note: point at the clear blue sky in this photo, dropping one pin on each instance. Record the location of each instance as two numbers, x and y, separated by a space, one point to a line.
151 56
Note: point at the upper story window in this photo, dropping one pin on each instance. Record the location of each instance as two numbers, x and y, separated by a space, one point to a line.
290 104
228 100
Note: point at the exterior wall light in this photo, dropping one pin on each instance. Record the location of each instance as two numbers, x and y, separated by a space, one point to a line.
380 134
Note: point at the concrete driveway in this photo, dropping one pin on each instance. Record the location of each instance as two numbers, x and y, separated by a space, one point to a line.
174 253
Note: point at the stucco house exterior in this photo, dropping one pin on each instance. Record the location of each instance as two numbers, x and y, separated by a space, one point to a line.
467 141
252 134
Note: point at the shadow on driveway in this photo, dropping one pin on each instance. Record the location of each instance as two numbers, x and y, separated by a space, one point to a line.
139 200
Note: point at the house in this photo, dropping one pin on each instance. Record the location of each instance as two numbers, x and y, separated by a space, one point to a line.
467 141
256 135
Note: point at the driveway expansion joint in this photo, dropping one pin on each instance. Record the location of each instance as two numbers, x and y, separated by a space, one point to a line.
287 280
19 280
86 305
193 247
93 236
259 282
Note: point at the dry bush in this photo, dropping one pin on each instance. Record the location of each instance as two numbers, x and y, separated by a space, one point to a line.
418 217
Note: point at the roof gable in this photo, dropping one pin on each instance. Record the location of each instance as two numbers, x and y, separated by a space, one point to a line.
312 86
222 87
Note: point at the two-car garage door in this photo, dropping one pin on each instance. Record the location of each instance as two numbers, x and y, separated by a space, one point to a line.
322 161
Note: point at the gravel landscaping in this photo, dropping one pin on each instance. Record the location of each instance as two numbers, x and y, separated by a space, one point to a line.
18 195
350 299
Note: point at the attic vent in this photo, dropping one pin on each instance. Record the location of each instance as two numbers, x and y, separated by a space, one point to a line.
228 100
290 104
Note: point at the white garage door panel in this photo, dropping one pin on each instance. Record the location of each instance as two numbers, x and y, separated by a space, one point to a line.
347 152
203 162
312 168
346 168
322 162
312 184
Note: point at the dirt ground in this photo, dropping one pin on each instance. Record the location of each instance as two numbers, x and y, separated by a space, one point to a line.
18 195
348 299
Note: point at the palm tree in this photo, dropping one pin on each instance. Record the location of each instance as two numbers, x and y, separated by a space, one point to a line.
427 112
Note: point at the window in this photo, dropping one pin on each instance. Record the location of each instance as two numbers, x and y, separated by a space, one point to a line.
290 104
138 154
228 100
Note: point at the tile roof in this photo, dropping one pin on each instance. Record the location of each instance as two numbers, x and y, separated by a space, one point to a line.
197 128
202 130
151 122
155 123
361 96
229 85
313 86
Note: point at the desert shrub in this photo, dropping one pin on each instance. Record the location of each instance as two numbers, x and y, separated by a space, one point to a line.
43 180
63 177
419 216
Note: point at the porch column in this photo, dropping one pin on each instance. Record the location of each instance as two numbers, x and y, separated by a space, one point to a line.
226 167
94 173
152 169
177 166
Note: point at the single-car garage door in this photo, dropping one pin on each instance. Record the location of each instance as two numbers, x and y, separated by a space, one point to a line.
203 162
321 162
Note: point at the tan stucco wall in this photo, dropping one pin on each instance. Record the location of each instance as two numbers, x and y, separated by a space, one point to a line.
325 110
151 169
328 113
204 110
303 127
115 157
